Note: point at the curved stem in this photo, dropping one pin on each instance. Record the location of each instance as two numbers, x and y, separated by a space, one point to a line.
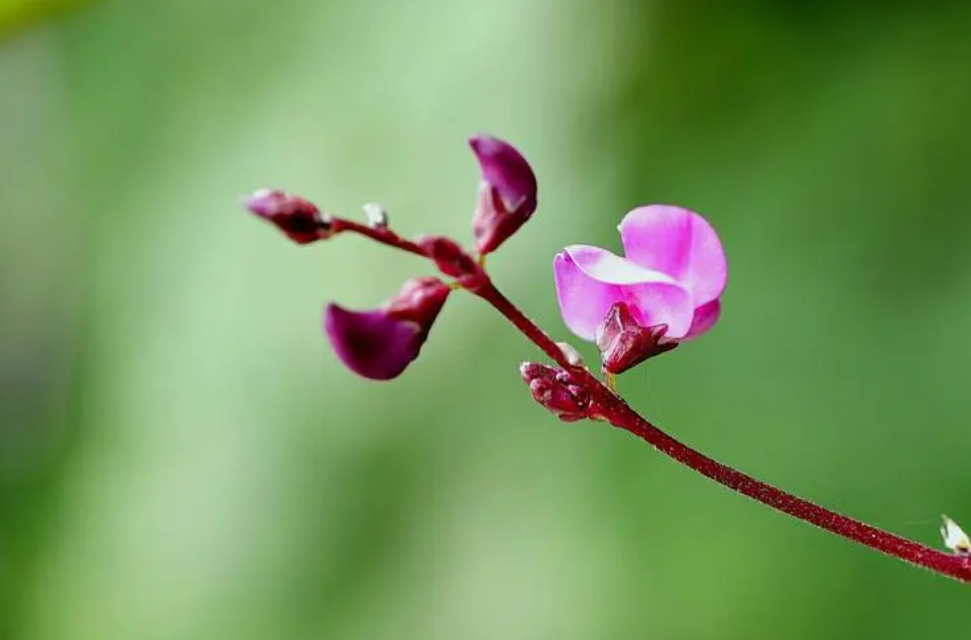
616 411
622 416
383 235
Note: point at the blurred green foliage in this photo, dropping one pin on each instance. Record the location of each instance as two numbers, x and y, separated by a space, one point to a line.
181 456
17 14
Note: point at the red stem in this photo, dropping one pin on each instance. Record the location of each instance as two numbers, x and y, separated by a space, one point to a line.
621 415
382 235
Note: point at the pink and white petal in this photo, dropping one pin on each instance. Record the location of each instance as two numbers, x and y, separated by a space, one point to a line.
654 303
705 318
605 266
680 243
584 301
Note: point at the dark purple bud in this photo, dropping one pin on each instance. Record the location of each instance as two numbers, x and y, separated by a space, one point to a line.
555 390
507 197
419 300
623 343
380 344
453 260
299 219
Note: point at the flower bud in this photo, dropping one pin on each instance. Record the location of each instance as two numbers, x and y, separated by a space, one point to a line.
380 344
453 260
623 343
299 219
554 389
419 300
507 196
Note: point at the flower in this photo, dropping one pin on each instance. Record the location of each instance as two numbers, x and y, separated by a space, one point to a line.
507 196
379 344
673 273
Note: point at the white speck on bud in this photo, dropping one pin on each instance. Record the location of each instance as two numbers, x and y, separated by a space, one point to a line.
954 537
571 354
377 217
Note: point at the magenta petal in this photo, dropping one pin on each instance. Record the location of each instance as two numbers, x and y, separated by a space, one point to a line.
506 170
655 303
679 243
590 280
653 297
583 301
705 318
371 343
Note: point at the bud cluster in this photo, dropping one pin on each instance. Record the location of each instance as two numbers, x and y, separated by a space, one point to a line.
379 344
665 290
555 389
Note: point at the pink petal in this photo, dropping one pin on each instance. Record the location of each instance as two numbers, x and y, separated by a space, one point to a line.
679 243
584 302
705 318
590 280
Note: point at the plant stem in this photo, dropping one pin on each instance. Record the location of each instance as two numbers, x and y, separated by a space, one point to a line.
619 414
622 416
382 235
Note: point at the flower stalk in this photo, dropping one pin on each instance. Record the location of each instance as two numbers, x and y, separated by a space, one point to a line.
689 292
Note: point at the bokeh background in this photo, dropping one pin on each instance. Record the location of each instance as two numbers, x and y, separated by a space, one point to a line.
182 457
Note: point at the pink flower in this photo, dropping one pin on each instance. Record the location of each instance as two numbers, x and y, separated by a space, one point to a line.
673 273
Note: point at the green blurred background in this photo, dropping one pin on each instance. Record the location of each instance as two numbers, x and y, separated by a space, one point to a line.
182 457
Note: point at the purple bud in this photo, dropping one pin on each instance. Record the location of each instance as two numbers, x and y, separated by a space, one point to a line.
554 389
299 219
623 343
453 260
380 344
418 300
507 197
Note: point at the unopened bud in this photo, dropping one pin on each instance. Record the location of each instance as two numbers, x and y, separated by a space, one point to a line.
554 389
418 300
298 218
380 344
507 196
453 260
623 343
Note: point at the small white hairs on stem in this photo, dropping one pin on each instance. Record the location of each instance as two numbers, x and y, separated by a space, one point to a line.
571 354
954 537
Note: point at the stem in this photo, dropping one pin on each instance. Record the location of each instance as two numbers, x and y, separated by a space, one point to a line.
382 235
622 416
619 414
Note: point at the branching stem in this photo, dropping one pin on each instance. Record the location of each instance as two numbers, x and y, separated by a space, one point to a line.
618 413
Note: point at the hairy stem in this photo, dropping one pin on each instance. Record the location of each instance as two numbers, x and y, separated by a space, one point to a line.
622 416
381 235
619 414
